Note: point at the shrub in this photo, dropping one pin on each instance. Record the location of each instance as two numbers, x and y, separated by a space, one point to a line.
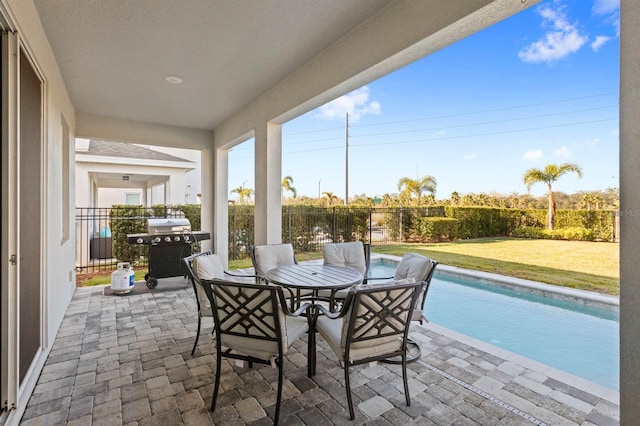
437 229
575 233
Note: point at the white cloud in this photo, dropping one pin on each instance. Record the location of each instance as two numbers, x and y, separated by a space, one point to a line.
599 42
611 10
532 155
356 104
605 7
562 152
560 41
470 156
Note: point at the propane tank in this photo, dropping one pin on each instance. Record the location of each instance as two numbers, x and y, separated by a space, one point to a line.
122 278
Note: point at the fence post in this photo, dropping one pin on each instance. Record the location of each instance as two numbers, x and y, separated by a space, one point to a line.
235 232
401 223
335 228
370 225
289 217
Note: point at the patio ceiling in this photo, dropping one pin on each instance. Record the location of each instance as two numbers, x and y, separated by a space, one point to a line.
114 55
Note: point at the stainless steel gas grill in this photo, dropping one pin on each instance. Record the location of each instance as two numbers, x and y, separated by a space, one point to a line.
169 241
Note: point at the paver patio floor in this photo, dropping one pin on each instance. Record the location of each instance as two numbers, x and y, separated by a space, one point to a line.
127 360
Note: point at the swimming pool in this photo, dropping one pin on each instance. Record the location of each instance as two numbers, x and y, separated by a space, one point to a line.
581 340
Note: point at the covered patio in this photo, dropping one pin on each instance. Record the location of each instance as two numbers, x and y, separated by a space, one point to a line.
127 360
209 75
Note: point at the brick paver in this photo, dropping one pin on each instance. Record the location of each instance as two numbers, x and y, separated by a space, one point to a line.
127 360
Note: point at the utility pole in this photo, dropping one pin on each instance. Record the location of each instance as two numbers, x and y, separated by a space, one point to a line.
346 159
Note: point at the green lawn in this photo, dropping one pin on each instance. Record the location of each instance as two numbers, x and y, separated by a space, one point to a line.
577 264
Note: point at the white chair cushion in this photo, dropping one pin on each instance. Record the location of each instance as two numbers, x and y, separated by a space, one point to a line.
332 331
417 267
413 265
273 255
349 254
208 267
295 328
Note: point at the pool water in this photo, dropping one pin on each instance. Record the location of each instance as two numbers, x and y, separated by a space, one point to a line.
580 340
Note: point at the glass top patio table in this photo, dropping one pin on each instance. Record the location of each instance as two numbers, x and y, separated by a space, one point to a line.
314 278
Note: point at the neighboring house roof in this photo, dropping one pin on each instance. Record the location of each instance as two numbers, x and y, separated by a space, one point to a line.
127 150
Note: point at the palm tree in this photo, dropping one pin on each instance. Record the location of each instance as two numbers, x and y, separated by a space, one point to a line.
330 197
287 185
410 186
548 175
243 193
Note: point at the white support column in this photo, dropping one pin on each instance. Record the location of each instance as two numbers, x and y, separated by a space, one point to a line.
209 177
218 187
629 212
268 169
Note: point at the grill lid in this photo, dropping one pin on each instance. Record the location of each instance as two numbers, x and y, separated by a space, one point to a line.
168 226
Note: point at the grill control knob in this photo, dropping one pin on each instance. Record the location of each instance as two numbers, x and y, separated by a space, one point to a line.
156 240
186 238
176 238
139 241
167 239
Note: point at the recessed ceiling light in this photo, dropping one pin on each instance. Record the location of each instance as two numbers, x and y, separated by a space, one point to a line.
173 79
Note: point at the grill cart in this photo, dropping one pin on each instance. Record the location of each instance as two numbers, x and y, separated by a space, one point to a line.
169 241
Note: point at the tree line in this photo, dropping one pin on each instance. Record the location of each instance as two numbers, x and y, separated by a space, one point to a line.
422 192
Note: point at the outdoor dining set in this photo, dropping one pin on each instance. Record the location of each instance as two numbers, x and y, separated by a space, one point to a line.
362 319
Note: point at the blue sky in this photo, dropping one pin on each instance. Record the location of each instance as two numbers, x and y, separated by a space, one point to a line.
540 87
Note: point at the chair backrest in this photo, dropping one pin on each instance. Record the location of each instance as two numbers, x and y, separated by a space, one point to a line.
377 322
354 254
203 266
416 267
268 256
248 318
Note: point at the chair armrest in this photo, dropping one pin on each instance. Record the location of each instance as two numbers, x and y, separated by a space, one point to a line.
285 307
240 275
301 310
338 314
378 278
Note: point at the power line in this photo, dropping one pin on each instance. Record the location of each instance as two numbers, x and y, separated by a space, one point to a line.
488 110
455 137
485 122
488 133
479 123
448 137
461 114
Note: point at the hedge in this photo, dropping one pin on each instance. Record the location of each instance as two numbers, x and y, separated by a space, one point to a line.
308 227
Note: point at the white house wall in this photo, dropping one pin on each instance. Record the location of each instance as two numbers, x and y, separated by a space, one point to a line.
174 177
58 278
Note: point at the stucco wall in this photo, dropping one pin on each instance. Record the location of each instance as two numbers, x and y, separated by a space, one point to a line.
58 254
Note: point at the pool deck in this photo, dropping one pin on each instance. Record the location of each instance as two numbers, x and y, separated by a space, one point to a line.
127 360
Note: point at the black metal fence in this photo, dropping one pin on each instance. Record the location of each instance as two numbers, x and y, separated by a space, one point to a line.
101 232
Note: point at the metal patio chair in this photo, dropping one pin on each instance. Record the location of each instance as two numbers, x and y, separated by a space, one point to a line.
254 324
353 254
372 325
205 266
414 267
268 256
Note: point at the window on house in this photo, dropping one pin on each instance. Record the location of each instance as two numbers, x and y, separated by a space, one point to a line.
132 199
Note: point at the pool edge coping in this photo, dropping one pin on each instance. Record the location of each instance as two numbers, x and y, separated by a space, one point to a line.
595 389
584 297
